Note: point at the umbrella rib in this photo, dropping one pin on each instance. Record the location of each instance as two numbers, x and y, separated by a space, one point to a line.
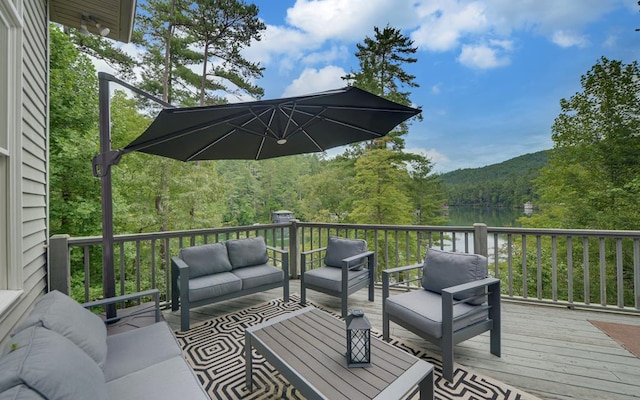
235 128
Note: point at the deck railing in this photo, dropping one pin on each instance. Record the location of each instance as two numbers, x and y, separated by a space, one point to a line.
573 268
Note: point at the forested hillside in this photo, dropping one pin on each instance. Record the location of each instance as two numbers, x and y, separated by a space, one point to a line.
507 184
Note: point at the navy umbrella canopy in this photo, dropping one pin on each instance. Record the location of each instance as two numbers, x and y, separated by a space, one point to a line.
271 128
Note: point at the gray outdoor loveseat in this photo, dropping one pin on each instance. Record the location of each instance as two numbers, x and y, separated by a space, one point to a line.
62 351
210 273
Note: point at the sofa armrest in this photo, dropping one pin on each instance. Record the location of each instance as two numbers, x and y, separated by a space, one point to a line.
155 293
284 259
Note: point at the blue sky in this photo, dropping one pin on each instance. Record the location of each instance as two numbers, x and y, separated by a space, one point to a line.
491 72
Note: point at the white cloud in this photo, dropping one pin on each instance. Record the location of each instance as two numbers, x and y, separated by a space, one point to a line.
444 23
568 39
328 56
482 57
435 89
348 21
312 80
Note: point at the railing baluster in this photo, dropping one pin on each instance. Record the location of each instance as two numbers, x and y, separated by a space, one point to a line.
554 267
570 269
510 263
603 273
87 273
619 273
539 265
122 267
586 270
636 272
525 286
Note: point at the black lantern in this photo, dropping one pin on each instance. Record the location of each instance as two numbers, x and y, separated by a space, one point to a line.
358 340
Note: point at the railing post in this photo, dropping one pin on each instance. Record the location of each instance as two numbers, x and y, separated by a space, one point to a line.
480 239
294 246
59 264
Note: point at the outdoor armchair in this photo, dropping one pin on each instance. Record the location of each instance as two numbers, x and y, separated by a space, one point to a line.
347 267
456 301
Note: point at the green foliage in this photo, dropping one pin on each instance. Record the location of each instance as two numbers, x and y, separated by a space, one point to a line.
378 188
506 184
592 180
74 192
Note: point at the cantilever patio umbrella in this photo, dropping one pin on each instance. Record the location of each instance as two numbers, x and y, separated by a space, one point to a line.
271 128
251 130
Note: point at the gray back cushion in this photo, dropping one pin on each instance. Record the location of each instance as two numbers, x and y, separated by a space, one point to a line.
247 252
341 248
52 365
443 269
206 259
60 313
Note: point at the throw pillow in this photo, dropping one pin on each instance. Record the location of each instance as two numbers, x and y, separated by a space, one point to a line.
60 313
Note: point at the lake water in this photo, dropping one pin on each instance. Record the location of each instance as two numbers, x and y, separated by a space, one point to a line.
498 217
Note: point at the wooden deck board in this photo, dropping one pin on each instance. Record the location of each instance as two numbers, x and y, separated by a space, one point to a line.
551 352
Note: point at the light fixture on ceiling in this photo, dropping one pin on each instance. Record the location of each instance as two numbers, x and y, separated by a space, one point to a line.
102 30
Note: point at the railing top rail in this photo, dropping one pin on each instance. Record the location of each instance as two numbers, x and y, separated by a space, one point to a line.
87 240
564 232
434 228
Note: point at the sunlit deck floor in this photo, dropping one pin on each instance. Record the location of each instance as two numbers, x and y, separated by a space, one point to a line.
551 352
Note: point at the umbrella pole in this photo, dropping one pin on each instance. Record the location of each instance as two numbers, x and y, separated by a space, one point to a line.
108 271
102 168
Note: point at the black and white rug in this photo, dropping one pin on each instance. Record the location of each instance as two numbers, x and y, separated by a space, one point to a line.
215 351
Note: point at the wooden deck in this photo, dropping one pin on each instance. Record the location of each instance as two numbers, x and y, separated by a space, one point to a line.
551 352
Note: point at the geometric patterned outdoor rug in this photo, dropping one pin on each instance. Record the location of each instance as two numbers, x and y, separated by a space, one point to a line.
215 348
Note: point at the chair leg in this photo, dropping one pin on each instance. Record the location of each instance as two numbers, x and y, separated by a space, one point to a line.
385 326
345 305
184 316
495 341
447 361
303 293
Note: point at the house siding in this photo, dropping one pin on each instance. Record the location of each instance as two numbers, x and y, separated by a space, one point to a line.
34 162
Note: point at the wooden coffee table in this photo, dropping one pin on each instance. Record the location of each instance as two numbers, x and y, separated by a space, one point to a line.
308 348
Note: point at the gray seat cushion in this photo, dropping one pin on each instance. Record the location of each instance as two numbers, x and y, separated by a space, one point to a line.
331 278
210 286
247 252
139 348
423 310
169 379
340 248
20 392
60 313
258 275
206 259
443 269
52 365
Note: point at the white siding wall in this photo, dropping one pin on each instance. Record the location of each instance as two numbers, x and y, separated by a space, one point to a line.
32 223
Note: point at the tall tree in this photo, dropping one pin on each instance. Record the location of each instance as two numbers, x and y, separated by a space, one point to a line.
593 176
382 61
379 192
222 28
